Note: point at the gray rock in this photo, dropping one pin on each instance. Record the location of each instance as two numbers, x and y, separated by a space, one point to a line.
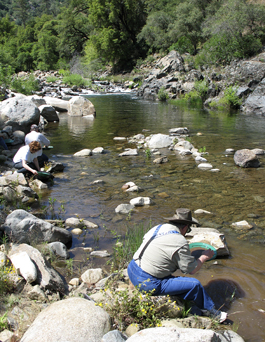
26 191
246 158
24 266
98 150
255 103
57 104
129 152
173 334
49 113
19 112
124 208
160 160
92 276
69 320
59 249
36 293
37 100
140 201
230 336
179 130
47 277
55 167
205 166
159 141
114 336
172 62
101 254
24 227
9 194
83 153
80 106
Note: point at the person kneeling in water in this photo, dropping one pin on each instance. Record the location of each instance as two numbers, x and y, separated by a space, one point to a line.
26 158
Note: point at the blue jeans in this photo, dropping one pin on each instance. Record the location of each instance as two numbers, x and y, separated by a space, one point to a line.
184 287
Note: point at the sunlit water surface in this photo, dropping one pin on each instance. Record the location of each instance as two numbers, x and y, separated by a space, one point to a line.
231 195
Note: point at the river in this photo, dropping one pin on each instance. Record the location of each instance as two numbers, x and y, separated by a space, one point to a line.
231 195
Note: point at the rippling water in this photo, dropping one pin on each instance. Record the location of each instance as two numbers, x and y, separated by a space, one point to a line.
231 195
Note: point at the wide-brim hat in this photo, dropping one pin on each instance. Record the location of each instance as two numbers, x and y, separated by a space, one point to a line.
183 215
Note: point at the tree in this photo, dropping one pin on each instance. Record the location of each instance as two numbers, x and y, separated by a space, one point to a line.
45 50
237 30
21 10
155 32
117 24
187 23
74 28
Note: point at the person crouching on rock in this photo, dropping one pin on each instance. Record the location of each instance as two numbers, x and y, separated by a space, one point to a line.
163 251
35 135
26 158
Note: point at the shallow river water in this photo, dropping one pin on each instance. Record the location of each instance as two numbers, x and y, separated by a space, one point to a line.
231 195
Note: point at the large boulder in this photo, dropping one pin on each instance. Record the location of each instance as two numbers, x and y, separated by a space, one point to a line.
19 112
255 103
246 158
72 319
80 106
174 334
172 62
57 104
47 277
23 227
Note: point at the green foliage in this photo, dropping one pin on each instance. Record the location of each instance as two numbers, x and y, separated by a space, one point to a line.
5 75
188 24
51 79
148 153
3 322
182 45
136 308
6 282
193 97
230 98
69 266
234 31
155 32
74 79
202 88
202 149
116 26
125 248
24 85
162 94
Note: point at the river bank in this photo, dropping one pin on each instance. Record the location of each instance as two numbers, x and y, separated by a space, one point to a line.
239 85
121 164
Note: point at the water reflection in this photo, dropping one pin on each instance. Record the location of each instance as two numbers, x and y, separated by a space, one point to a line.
231 195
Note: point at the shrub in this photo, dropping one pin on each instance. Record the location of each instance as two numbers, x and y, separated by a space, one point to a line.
74 79
139 308
193 97
51 79
6 282
162 94
202 88
24 85
230 98
5 75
